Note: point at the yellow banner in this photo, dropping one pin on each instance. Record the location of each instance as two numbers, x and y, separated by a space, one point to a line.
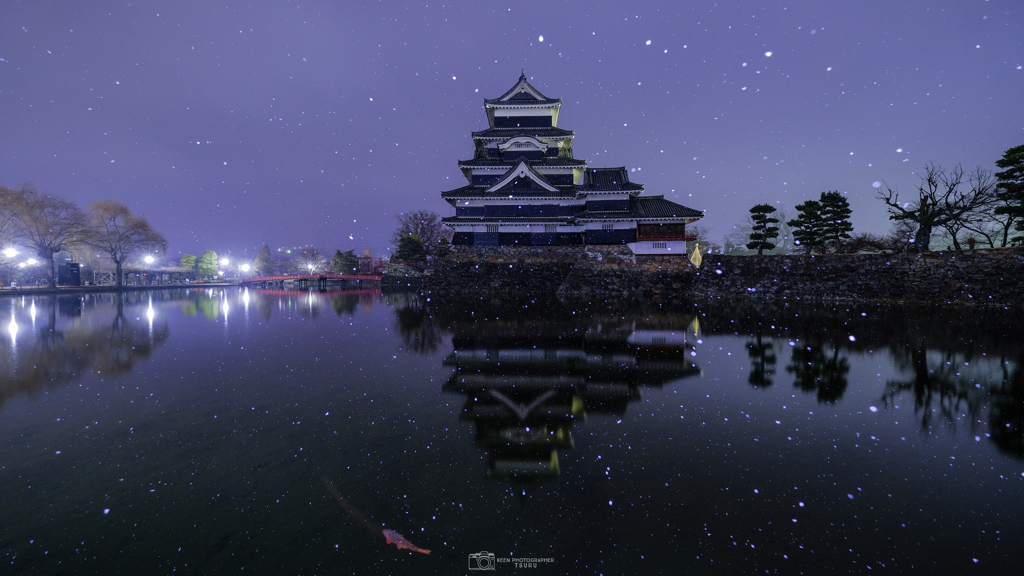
695 259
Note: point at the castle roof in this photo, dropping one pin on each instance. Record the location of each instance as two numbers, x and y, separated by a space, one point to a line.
522 94
503 133
608 180
645 208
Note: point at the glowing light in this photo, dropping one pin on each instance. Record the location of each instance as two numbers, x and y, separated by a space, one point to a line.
31 261
13 329
246 267
148 259
223 261
10 252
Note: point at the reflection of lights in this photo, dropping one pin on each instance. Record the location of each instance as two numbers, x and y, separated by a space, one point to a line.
13 328
150 313
32 311
245 298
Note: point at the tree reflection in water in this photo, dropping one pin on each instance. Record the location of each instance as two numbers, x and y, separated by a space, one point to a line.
102 337
416 325
762 361
961 362
814 370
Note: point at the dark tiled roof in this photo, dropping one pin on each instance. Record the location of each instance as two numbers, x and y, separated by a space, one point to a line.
608 179
565 192
658 207
522 98
545 162
482 219
465 190
518 131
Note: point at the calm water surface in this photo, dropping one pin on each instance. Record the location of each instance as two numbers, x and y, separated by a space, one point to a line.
193 431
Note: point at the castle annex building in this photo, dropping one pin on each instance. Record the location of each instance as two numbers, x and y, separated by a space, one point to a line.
526 188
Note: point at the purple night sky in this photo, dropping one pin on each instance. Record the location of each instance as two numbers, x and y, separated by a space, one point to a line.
316 122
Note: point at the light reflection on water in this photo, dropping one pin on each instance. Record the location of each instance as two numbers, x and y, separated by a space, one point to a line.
190 430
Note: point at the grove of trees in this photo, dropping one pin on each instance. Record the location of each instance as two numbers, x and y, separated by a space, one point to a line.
45 224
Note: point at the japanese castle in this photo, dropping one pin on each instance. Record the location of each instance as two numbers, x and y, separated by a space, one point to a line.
525 188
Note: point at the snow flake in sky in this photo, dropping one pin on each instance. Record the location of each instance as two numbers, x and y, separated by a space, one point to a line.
853 338
648 42
350 237
768 54
540 38
873 408
453 77
744 64
829 69
876 184
899 150
106 510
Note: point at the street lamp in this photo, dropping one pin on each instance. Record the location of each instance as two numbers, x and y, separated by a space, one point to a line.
223 261
10 252
148 259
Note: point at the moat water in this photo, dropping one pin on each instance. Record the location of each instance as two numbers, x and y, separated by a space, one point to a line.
196 431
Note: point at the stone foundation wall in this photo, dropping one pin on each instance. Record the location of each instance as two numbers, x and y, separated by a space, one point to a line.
982 277
993 276
571 270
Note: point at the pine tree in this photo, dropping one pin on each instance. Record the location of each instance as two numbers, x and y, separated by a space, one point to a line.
835 215
337 265
1010 189
264 264
808 226
763 231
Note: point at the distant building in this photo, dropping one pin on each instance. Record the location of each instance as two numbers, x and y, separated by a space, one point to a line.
525 188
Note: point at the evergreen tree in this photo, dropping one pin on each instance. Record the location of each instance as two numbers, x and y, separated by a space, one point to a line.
188 261
410 249
343 262
1010 190
763 232
443 248
207 265
835 215
808 226
264 264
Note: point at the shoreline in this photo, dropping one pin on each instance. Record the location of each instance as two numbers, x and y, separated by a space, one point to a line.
46 290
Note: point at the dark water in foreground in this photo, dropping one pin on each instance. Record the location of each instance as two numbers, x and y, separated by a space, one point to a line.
190 432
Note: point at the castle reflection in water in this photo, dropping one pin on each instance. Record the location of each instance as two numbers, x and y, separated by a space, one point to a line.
526 384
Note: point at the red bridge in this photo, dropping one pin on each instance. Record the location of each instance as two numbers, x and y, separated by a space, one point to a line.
305 278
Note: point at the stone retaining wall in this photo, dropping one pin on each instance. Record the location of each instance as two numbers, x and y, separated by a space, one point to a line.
993 276
569 270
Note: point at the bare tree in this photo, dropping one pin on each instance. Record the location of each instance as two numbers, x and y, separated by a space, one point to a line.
119 234
44 223
948 200
424 224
